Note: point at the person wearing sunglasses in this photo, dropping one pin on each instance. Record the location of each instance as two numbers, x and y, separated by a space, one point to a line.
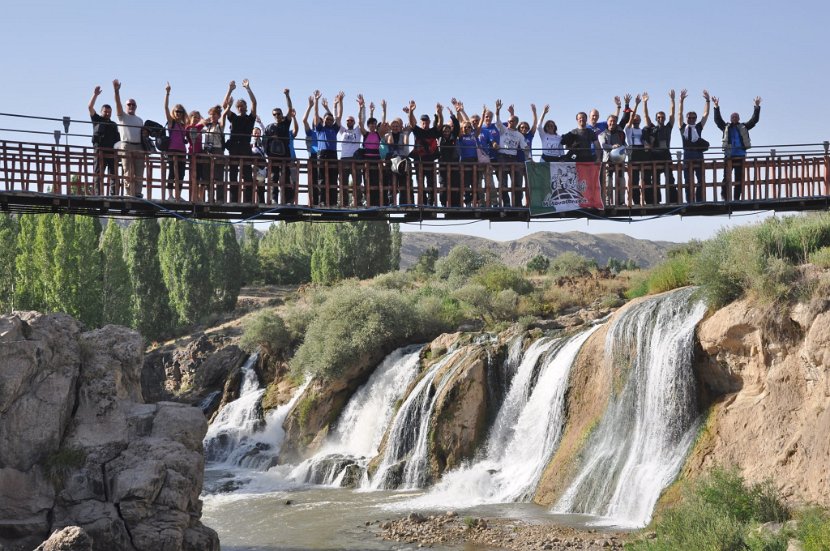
129 130
177 150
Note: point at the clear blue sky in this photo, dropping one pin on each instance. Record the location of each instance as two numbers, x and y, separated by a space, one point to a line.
574 56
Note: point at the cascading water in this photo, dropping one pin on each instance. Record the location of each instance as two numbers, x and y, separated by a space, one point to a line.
524 436
640 443
359 430
240 435
404 460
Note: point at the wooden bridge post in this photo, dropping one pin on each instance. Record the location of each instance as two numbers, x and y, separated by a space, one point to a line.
826 145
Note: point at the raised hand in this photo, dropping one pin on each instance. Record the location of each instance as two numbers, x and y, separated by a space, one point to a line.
232 85
671 93
546 109
498 105
533 108
341 94
683 94
412 105
405 109
454 102
617 101
360 100
310 101
645 97
439 107
116 85
286 91
637 100
715 100
317 94
383 104
167 88
371 106
627 98
757 101
246 84
97 91
325 103
706 95
511 110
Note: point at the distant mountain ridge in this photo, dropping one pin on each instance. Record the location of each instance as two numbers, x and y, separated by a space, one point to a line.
518 252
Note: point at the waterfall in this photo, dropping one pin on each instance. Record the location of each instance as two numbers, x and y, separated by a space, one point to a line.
240 435
404 458
524 436
359 431
640 443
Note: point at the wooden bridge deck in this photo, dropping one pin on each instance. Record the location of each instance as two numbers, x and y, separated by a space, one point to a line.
37 178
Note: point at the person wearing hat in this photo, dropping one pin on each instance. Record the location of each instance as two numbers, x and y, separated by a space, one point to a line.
425 149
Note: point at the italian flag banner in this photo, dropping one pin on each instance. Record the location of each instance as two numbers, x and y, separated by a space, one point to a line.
558 187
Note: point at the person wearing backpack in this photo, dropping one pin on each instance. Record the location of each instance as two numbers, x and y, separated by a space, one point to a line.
693 146
275 142
104 138
176 149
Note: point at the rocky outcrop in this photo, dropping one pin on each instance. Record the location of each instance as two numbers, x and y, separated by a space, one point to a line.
321 403
71 538
80 448
190 372
770 374
459 421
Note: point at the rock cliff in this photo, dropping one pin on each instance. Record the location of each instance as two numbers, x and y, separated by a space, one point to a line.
769 373
81 448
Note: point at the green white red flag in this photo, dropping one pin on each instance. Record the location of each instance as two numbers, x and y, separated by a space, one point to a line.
559 187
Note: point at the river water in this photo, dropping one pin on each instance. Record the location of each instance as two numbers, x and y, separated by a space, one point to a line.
318 518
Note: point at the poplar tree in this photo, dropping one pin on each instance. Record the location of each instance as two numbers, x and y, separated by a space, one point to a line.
249 249
185 270
149 303
226 272
115 278
89 275
29 289
8 255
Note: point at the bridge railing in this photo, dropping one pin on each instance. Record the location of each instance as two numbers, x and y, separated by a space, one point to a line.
77 170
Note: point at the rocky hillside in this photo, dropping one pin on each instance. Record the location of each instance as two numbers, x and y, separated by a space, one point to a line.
599 247
81 448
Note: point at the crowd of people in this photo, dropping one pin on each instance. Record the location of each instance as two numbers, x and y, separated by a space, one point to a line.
467 154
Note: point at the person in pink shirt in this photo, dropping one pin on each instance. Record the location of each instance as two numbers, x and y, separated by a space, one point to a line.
177 150
198 168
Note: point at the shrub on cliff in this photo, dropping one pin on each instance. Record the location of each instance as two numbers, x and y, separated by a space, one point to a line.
720 511
352 323
266 329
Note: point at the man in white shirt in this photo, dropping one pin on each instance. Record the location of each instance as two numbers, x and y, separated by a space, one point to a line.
129 129
510 141
350 138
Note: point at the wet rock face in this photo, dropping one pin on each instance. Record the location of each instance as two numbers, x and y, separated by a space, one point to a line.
80 448
192 372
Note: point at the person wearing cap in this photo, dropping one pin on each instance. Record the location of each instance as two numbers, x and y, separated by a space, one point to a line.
661 145
275 143
735 144
425 149
327 129
350 139
691 130
104 137
129 130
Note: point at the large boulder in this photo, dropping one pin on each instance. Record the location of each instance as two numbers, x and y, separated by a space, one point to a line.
86 451
71 538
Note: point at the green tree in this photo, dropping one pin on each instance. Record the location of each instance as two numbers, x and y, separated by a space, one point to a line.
29 292
184 268
461 262
115 278
285 252
8 255
539 264
89 276
150 307
249 249
225 273
425 265
395 251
